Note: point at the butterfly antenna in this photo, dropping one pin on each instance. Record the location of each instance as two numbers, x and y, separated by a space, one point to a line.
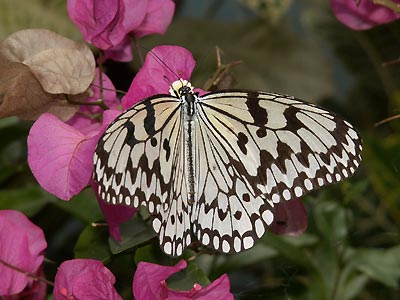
162 62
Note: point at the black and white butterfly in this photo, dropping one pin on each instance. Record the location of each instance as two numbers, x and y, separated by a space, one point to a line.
212 167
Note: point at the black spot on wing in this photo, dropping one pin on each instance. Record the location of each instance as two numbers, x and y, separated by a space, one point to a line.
167 149
149 120
259 114
242 141
130 136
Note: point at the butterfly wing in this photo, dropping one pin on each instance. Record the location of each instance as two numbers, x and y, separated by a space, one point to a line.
259 149
138 161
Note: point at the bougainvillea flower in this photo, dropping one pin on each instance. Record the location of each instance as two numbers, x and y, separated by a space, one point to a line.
106 24
149 283
37 290
84 279
162 66
60 156
121 52
362 14
158 17
290 218
21 246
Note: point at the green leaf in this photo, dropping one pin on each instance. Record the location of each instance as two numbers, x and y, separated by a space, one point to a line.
185 279
28 200
351 283
286 247
380 264
92 243
83 206
382 160
133 233
146 253
331 220
260 253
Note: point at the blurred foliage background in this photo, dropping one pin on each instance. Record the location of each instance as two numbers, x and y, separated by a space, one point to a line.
351 249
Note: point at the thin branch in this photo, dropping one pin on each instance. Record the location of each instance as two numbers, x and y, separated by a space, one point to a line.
90 103
99 225
222 69
112 90
138 48
34 277
387 120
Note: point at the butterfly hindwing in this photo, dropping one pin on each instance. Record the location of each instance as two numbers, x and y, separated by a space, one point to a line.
228 216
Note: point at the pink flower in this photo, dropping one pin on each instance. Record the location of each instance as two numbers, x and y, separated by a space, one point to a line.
84 279
290 218
149 283
35 291
21 247
60 154
107 23
163 65
362 14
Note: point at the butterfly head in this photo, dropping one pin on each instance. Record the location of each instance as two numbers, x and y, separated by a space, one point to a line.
180 88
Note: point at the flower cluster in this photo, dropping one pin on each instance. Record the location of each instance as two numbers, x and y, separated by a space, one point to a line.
108 24
72 102
21 260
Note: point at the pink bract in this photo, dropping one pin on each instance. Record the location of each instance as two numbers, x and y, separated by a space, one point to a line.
163 65
290 218
60 156
149 283
84 279
107 23
158 17
121 52
361 15
22 245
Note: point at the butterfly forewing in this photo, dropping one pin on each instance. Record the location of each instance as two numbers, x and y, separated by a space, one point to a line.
252 149
286 147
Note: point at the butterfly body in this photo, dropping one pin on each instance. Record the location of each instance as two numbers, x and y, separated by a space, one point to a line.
189 112
214 166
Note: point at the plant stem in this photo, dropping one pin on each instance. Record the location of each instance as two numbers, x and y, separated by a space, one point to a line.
34 277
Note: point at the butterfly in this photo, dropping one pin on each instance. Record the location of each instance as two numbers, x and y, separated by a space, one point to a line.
213 167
